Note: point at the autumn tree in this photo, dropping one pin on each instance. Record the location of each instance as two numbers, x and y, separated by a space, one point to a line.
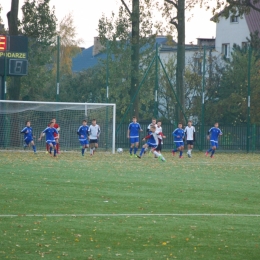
1 20
69 44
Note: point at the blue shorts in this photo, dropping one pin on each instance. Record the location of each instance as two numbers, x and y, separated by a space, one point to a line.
214 143
134 140
179 144
152 145
83 142
28 140
51 142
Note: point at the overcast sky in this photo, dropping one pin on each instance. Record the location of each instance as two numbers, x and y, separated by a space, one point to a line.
86 14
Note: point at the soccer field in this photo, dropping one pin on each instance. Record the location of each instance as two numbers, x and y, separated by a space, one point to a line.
116 207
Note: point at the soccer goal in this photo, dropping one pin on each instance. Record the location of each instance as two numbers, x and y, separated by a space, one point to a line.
69 116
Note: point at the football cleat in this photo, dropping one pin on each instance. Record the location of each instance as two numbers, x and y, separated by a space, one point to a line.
162 158
180 157
207 153
138 156
189 155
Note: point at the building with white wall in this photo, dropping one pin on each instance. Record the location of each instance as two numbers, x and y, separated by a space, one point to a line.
235 30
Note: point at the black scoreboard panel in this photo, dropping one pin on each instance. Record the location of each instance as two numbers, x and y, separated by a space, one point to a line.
14 61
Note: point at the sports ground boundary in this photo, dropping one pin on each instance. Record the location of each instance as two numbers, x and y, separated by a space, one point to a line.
131 215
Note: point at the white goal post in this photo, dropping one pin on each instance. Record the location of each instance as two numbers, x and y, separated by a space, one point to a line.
14 114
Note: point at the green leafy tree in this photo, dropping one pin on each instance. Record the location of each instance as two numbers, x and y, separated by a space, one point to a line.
227 8
227 100
167 100
116 35
39 24
174 12
85 86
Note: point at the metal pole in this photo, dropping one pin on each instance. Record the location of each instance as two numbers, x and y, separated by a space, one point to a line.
5 86
58 69
107 78
248 98
156 85
114 129
203 101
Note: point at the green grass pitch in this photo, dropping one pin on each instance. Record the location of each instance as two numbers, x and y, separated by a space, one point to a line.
117 207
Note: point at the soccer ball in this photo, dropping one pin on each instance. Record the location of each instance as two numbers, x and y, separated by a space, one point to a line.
120 150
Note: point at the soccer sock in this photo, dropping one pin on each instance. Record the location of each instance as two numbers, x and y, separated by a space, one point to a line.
135 150
50 149
57 147
47 147
213 151
91 151
55 151
209 150
181 153
82 151
156 153
34 148
130 150
142 151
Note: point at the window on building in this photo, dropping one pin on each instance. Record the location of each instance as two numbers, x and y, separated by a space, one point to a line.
244 45
198 65
226 50
234 19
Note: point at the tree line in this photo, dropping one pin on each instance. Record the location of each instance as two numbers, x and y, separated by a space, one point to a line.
129 40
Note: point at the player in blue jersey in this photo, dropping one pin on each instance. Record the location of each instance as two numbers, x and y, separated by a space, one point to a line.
213 135
28 136
83 136
178 135
133 134
50 133
154 140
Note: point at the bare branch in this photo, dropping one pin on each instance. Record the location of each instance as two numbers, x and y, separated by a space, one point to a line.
173 21
126 7
172 3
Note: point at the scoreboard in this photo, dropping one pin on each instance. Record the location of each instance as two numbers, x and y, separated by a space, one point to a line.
13 55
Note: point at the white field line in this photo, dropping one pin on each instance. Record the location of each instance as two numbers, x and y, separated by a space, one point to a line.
131 215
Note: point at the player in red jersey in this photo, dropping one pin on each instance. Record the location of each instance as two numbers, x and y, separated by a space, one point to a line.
56 136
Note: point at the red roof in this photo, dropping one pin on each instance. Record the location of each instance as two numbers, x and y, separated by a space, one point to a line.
253 19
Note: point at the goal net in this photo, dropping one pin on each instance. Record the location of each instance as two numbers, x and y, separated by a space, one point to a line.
69 116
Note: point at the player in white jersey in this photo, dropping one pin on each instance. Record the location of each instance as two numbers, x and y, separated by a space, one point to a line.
152 124
159 131
190 136
148 130
94 133
153 140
